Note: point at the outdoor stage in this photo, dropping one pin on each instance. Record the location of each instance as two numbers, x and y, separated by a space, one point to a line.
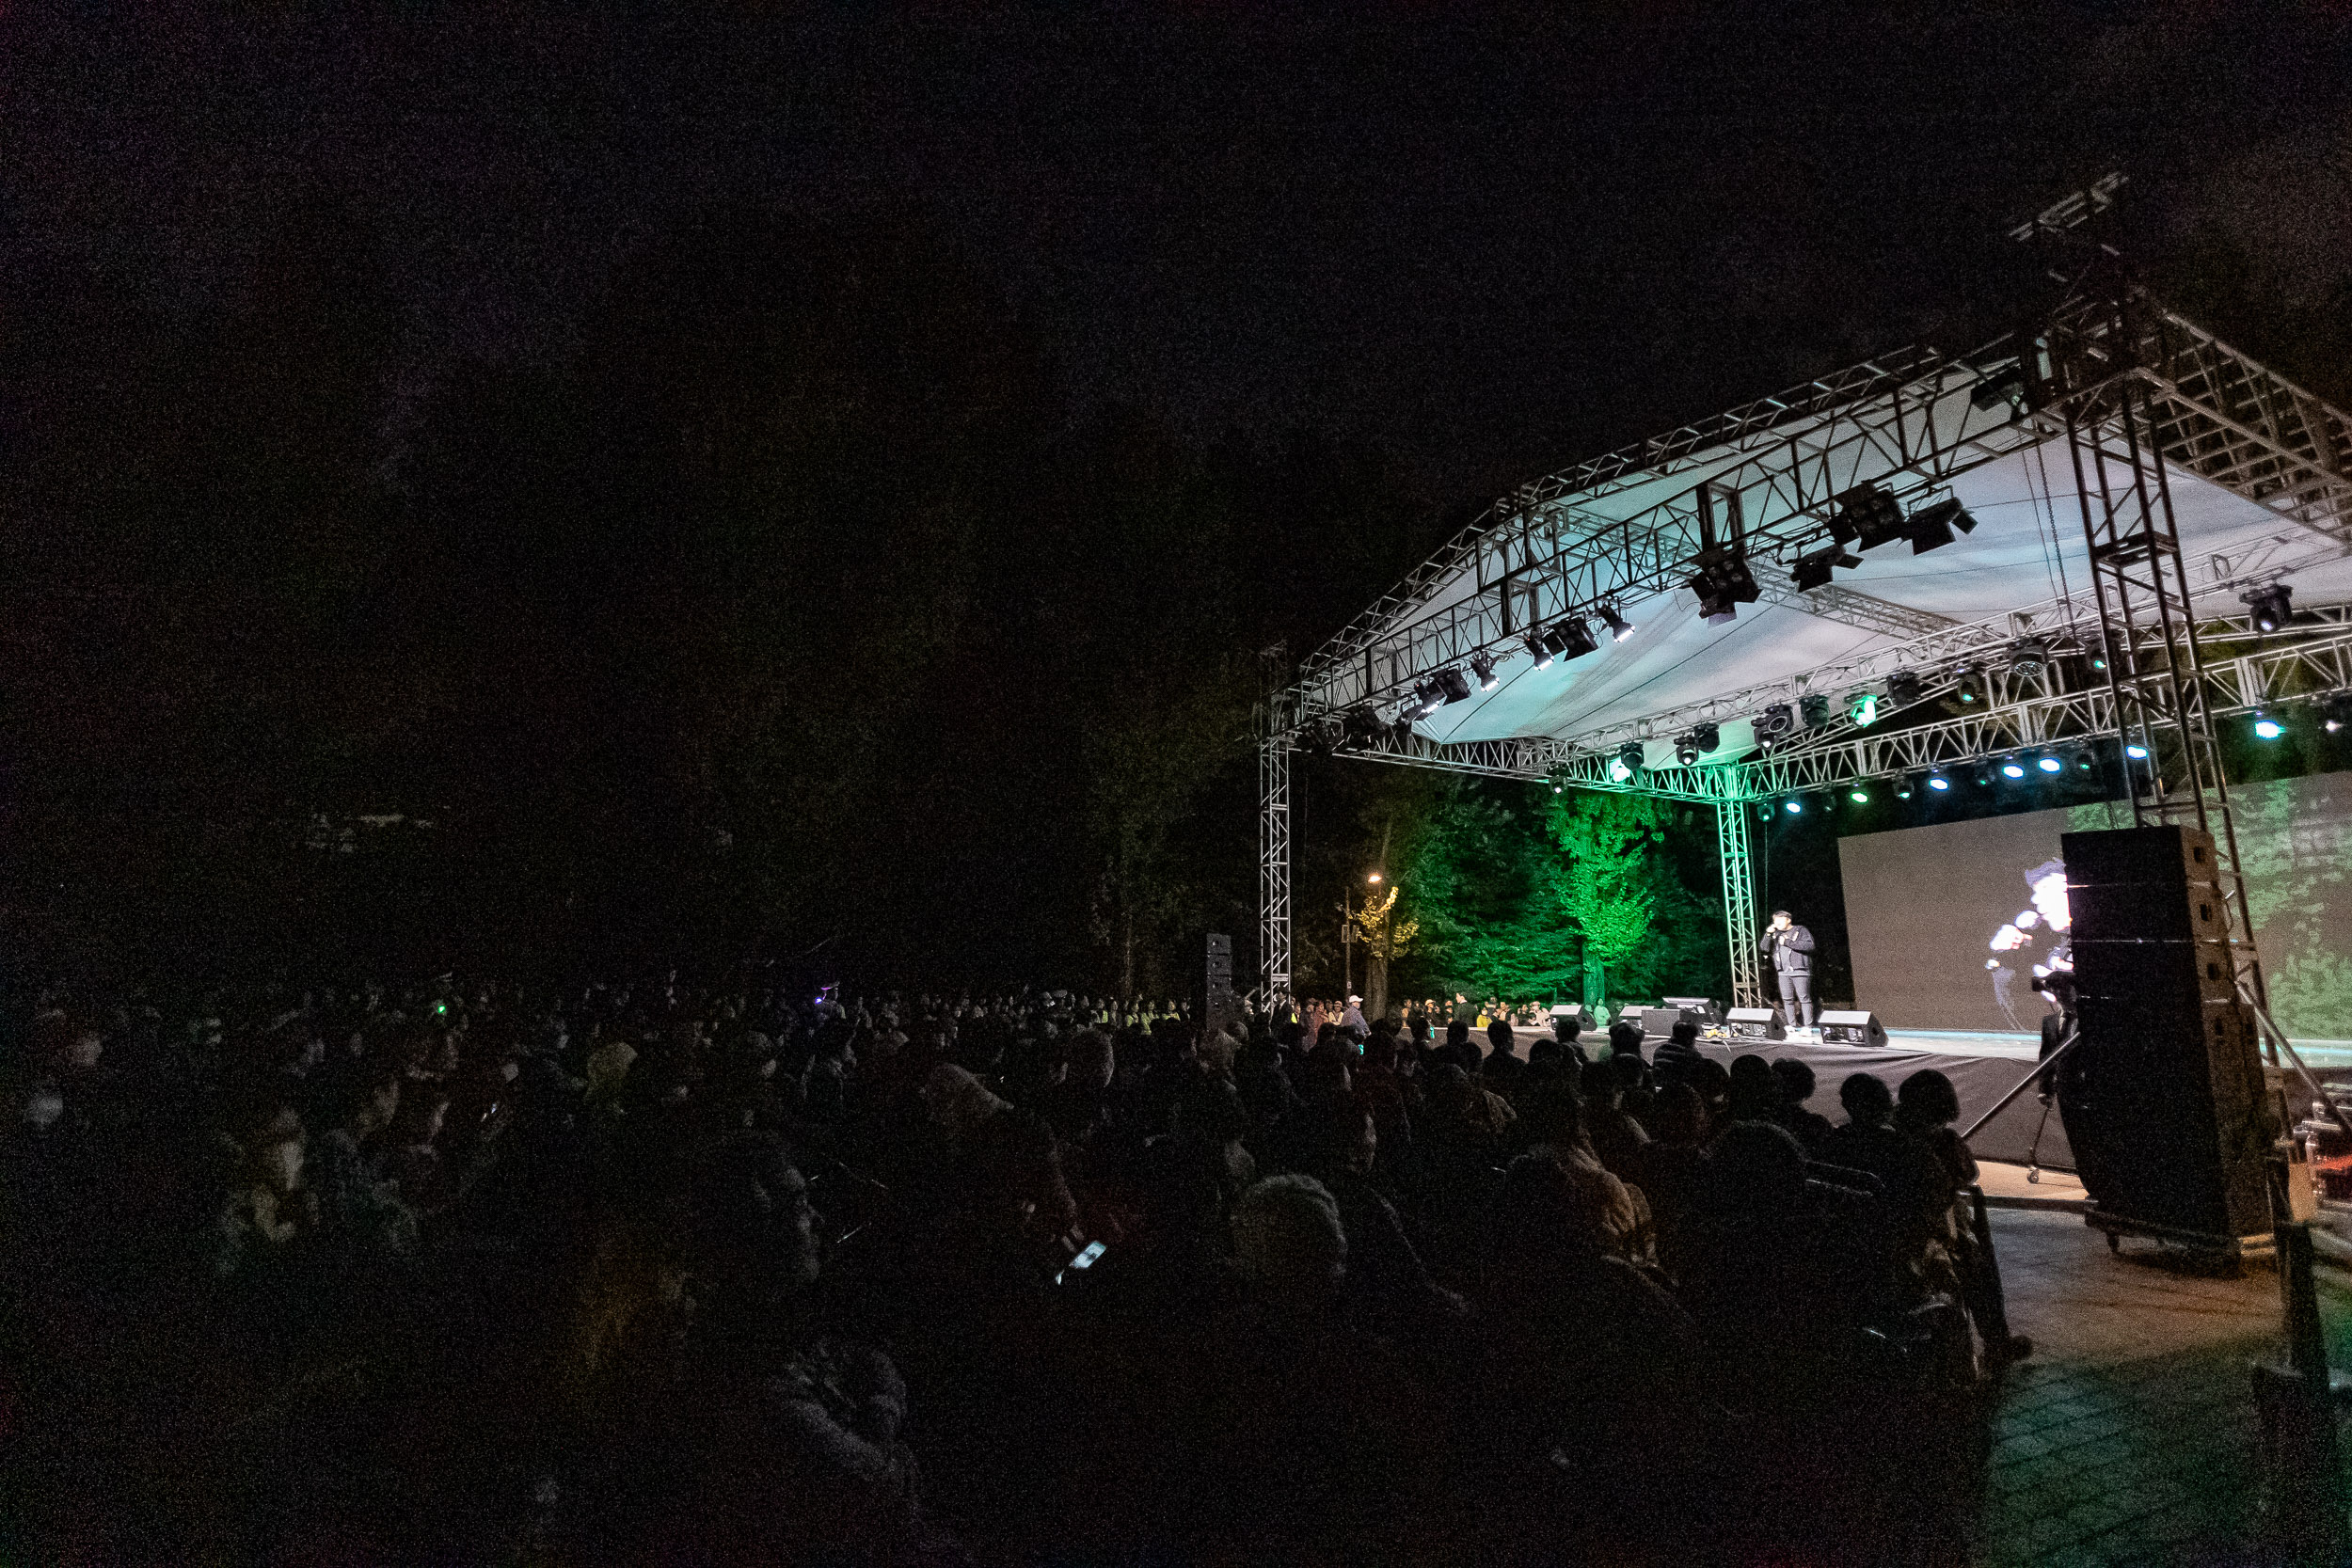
1982 1068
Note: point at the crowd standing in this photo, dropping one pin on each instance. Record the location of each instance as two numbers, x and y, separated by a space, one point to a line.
675 1272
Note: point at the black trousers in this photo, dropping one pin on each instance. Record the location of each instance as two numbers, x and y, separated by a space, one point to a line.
1796 990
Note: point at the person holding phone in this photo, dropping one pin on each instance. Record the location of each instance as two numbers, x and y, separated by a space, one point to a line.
1789 947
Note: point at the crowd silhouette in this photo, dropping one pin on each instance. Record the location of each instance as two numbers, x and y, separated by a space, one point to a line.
675 1272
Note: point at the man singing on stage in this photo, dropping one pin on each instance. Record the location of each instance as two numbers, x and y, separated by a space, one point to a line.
1789 947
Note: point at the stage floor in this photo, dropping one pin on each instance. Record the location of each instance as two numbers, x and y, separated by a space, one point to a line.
1982 1068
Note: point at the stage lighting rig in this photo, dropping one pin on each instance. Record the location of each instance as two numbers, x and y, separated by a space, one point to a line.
2049 764
1813 571
1863 708
1939 782
2335 712
1400 729
1628 763
1454 684
2012 769
1903 689
1538 651
1695 742
1571 638
1930 527
1484 668
2028 655
1619 628
1866 515
1813 707
1775 722
2271 604
1903 787
2266 727
1723 584
1859 796
1428 697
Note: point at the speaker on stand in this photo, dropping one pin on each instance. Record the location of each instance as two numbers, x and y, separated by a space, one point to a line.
2165 1108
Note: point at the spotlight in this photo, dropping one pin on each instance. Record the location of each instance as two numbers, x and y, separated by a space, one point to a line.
2012 769
1454 684
1868 515
2086 760
2335 712
1775 722
1860 797
2030 656
1631 756
1930 527
1902 788
1983 776
2267 727
1484 668
1361 726
2271 606
1687 749
1863 708
1813 705
1963 673
1938 783
1723 584
1558 778
1903 689
1619 628
1794 808
1813 571
1571 638
2049 764
1537 651
2136 752
1428 697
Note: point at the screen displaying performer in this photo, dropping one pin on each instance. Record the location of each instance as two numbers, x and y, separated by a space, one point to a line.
1955 924
1789 948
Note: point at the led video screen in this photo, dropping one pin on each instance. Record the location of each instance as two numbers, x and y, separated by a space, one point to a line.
1949 922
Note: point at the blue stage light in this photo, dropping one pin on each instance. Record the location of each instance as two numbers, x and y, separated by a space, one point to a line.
2012 769
2269 728
2049 764
2136 752
1795 808
1938 782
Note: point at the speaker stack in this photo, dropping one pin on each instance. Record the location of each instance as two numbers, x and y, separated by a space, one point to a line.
2168 1089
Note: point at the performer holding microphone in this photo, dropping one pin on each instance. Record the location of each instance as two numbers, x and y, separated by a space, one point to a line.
1789 947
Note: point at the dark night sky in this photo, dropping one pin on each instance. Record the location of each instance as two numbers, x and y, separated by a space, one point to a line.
1494 239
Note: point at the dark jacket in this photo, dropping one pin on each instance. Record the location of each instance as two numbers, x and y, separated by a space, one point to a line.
1791 951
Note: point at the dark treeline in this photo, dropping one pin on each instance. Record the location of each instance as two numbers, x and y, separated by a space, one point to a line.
791 605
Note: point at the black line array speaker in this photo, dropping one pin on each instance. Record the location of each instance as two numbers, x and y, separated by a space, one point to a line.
2175 1126
1222 1008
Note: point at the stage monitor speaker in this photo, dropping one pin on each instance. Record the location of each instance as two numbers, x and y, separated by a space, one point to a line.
1700 1010
1758 1023
2165 1111
1658 1023
1852 1029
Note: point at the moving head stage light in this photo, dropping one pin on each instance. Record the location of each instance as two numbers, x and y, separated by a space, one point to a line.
1695 742
1775 722
2272 606
1903 689
1484 668
1455 684
1619 628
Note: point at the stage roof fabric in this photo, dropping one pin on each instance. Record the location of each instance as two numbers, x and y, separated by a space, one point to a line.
2026 553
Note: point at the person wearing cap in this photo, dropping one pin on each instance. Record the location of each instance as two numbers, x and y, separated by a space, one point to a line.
1352 1018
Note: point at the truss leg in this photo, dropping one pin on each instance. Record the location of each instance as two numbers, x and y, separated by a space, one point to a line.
1731 847
2155 666
1274 862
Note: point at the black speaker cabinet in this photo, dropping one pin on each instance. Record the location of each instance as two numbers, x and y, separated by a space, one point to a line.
2174 1124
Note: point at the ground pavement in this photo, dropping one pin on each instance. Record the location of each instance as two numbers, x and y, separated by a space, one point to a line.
2129 1437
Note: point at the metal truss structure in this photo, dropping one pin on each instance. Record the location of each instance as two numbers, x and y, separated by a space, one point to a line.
2128 385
